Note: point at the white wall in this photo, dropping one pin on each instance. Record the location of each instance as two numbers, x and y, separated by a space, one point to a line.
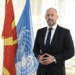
2 4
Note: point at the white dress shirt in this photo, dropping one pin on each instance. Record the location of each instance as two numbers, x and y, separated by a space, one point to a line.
52 33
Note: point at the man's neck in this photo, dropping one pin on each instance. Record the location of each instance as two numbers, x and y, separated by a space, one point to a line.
52 25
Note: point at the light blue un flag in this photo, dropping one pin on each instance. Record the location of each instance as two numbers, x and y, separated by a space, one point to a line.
25 62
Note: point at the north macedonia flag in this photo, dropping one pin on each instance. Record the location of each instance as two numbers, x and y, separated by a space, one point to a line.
10 40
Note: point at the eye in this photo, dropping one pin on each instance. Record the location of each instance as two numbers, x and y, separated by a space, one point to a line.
48 15
52 14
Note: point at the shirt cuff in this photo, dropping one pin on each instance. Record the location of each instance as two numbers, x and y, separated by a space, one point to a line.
38 57
54 60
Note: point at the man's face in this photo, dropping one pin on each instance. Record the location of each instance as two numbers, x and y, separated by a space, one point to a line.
51 17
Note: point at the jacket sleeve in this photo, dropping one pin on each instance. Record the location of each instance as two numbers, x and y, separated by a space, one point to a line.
36 48
68 48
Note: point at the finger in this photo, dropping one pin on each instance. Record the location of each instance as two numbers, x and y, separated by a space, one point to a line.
46 58
46 64
47 54
45 61
43 55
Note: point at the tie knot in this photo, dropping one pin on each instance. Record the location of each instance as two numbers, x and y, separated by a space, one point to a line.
50 29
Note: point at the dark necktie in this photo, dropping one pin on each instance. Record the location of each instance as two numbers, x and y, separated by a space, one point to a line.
48 38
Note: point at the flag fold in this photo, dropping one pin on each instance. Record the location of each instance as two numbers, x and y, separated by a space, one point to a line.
10 40
26 63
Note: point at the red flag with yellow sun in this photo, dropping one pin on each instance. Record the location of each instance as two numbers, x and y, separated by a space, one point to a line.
10 40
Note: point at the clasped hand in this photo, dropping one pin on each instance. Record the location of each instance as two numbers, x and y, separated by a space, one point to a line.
46 60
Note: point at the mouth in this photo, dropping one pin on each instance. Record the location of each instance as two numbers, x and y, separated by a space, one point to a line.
50 20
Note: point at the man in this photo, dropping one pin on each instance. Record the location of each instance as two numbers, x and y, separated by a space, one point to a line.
53 45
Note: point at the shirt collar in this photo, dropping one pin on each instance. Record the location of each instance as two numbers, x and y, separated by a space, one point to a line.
54 27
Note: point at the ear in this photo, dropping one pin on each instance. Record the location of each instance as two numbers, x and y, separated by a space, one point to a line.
57 16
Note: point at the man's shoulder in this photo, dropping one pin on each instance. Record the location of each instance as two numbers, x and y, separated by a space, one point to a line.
63 28
42 29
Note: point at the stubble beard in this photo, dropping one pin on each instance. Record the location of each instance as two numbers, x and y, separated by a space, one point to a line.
51 24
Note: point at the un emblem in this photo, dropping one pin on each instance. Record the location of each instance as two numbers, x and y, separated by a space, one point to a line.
25 61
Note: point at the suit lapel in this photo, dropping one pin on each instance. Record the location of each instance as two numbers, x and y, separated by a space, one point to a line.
43 38
55 37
